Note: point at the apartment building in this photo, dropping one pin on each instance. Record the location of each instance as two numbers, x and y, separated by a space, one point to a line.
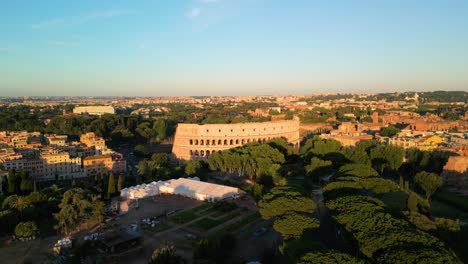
103 164
61 165
91 140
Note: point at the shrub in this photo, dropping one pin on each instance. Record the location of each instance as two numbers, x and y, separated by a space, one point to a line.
26 229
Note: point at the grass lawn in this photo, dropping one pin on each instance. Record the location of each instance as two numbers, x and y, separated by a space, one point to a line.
205 224
184 217
158 228
205 206
208 223
189 215
244 221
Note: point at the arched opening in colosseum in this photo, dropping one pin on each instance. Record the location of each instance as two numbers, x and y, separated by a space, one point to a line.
196 141
231 142
219 142
259 140
202 153
248 140
242 141
191 142
237 142
202 142
207 142
219 151
213 142
207 153
225 142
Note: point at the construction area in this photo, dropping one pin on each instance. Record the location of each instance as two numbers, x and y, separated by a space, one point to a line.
181 221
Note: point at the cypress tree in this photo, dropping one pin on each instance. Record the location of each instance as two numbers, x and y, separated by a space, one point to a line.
11 179
111 186
120 183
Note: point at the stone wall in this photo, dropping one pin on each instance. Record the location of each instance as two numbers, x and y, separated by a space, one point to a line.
194 141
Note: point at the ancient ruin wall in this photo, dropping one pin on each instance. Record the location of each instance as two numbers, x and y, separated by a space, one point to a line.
194 141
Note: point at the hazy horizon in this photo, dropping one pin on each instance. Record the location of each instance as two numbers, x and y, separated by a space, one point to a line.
231 47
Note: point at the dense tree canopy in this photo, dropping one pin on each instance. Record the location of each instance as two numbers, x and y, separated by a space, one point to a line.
73 207
166 255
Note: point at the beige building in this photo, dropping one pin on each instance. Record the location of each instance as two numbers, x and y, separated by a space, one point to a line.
91 140
348 134
94 110
104 164
56 140
194 141
60 165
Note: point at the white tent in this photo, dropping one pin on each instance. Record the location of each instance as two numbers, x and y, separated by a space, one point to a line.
190 187
198 190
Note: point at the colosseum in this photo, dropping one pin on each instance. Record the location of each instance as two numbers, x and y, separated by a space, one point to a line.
194 141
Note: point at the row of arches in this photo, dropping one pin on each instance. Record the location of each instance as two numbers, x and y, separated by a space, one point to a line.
225 142
202 153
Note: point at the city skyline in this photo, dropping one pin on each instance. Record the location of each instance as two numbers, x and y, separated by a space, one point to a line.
227 47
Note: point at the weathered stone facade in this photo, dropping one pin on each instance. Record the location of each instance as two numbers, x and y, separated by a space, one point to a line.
194 141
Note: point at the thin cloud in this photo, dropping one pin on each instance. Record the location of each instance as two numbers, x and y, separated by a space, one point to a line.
106 14
82 19
49 23
60 43
194 13
209 1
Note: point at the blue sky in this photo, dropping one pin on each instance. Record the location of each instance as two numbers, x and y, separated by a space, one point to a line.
231 47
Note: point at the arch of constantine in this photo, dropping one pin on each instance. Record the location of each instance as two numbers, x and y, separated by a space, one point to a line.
193 141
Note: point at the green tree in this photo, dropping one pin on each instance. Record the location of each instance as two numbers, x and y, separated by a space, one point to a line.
429 182
166 255
356 155
193 167
142 167
11 179
120 182
4 184
293 225
98 208
387 157
328 256
318 167
26 229
390 131
257 191
141 150
19 203
160 129
110 186
159 160
26 182
281 200
73 207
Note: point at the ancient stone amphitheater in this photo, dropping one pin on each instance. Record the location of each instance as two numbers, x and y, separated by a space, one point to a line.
194 141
